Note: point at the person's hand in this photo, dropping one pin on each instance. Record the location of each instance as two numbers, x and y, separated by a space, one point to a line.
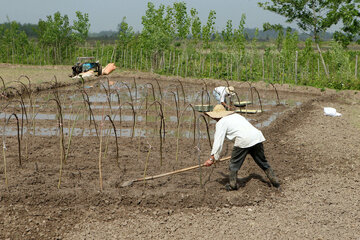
208 163
231 108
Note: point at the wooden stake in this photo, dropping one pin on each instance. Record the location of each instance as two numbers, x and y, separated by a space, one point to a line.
356 63
322 60
296 59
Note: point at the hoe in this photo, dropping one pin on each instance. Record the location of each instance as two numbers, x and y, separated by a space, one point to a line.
130 182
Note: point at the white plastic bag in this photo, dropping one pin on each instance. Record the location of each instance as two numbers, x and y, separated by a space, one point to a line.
329 111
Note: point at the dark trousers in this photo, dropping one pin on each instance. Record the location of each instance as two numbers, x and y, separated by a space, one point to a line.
257 153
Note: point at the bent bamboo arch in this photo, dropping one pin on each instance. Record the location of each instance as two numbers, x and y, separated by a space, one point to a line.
178 128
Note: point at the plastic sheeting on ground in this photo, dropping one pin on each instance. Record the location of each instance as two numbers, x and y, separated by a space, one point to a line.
329 111
90 73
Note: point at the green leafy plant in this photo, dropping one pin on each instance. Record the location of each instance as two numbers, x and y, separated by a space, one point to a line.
208 28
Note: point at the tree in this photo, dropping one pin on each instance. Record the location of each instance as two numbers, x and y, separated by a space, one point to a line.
239 35
316 16
348 13
156 36
58 35
195 25
80 28
158 29
310 16
290 46
182 22
13 41
290 42
54 31
280 31
227 33
208 29
125 34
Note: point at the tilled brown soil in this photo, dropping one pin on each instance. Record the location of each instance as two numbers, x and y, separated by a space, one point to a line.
316 158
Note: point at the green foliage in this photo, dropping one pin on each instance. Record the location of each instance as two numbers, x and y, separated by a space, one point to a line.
339 64
290 45
227 33
279 29
28 28
57 34
348 13
208 29
316 16
239 35
80 28
254 40
339 58
13 36
182 21
158 28
54 31
308 50
195 25
13 41
310 16
57 31
125 34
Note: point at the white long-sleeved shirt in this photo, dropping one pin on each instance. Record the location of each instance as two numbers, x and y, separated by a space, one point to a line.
222 92
235 126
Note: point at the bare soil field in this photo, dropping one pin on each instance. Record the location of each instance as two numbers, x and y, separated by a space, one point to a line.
316 157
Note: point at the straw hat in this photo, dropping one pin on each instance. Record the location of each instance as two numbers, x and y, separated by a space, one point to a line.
218 112
230 90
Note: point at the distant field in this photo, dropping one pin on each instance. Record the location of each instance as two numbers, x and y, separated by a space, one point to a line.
37 74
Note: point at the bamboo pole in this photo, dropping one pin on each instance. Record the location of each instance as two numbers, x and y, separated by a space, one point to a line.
131 58
186 64
163 60
231 66
356 64
169 61
322 60
112 54
210 66
102 54
140 59
263 68
296 60
174 61
177 73
272 68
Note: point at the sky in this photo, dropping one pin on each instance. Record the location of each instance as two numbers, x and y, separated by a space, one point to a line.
106 15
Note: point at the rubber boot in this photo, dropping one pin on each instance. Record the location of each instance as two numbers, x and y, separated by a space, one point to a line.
232 185
272 177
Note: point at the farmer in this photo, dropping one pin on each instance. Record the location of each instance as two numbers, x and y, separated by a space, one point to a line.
247 140
220 94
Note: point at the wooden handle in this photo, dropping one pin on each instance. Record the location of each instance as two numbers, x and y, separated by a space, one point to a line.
176 171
